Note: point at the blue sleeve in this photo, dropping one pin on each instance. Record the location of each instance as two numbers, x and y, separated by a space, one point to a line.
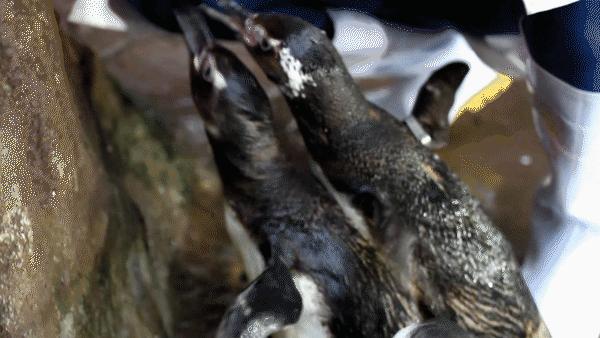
311 11
495 16
566 42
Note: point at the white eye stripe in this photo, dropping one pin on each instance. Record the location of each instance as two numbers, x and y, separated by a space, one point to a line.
199 59
292 67
219 80
210 72
197 62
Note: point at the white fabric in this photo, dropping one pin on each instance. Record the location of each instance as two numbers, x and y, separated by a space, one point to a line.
373 50
96 13
536 6
565 280
577 167
566 224
505 53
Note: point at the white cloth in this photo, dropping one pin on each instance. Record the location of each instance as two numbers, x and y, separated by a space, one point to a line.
536 6
564 280
373 50
96 13
574 154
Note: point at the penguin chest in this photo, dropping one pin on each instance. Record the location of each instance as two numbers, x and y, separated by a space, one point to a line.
315 315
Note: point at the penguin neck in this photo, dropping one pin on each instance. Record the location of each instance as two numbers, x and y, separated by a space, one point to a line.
332 100
329 110
248 164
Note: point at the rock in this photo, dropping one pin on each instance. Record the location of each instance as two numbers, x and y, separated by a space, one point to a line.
107 229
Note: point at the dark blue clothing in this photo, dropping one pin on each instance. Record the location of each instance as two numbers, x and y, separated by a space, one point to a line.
565 41
474 17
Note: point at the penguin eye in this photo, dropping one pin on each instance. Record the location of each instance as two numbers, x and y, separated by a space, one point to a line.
207 72
265 45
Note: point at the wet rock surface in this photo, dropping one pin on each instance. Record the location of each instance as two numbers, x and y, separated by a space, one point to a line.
110 209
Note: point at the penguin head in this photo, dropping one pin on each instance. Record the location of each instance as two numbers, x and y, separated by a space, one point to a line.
227 94
236 110
225 91
288 49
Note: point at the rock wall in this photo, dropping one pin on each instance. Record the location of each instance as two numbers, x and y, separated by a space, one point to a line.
106 229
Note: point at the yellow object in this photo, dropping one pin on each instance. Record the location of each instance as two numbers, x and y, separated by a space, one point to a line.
488 94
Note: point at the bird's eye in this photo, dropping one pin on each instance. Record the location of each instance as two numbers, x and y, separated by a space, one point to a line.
207 72
265 45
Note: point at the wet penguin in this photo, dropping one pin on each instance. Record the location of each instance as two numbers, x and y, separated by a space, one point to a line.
435 99
448 255
314 274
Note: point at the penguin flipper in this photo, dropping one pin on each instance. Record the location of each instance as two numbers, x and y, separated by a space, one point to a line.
268 304
435 99
433 329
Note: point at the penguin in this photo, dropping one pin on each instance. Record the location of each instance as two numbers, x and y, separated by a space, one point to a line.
313 273
434 100
433 329
443 248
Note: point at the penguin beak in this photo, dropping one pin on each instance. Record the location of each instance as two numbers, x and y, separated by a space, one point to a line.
233 8
240 21
233 22
195 30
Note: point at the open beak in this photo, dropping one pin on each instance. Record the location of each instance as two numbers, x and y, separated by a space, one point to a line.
239 20
195 30
234 23
234 8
